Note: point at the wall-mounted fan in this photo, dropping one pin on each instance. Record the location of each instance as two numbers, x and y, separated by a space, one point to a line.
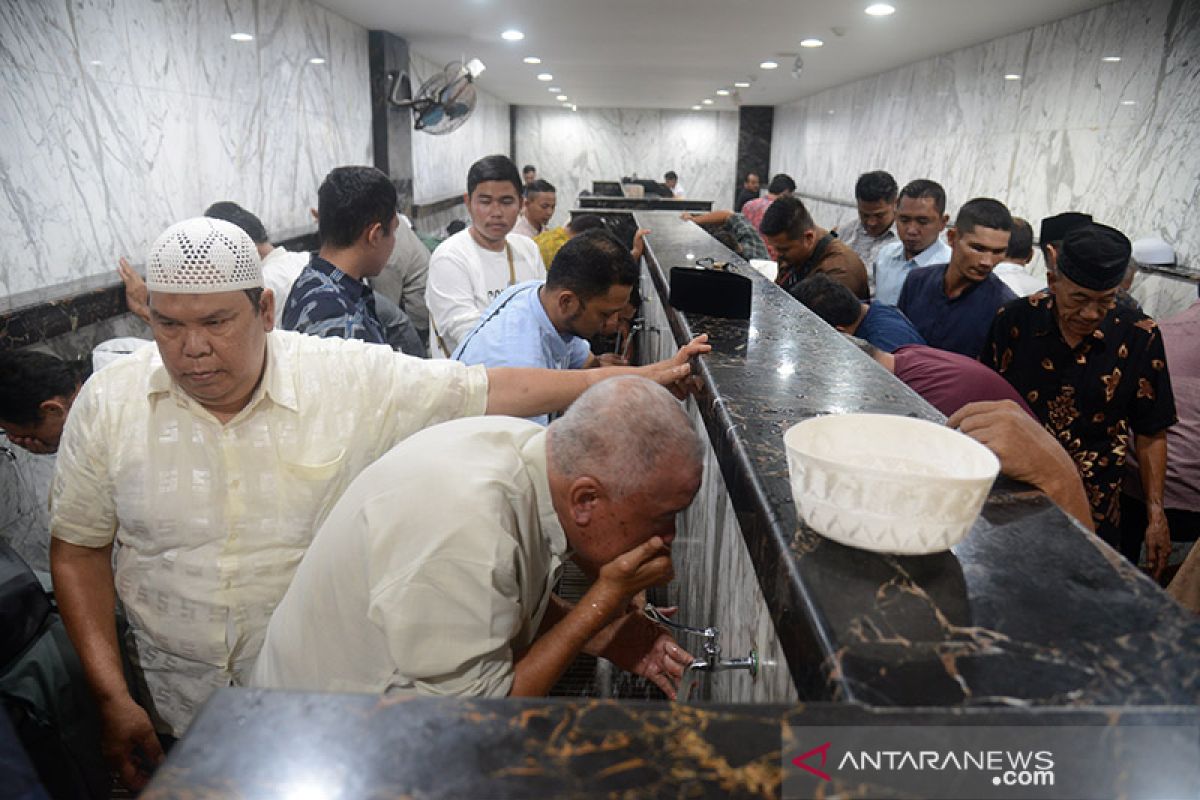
443 102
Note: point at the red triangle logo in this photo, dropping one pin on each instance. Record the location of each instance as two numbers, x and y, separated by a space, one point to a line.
800 759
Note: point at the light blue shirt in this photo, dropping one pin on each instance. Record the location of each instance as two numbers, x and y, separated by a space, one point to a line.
514 331
891 268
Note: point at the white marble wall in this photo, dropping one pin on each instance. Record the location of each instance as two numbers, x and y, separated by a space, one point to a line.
573 148
440 163
1059 139
123 116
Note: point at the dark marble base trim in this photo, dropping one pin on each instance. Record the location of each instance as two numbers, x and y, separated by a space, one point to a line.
30 317
833 201
1178 271
436 207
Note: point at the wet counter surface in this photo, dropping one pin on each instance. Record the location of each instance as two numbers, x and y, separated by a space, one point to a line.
254 744
1028 609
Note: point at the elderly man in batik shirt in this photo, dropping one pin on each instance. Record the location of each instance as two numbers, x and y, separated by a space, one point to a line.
1092 372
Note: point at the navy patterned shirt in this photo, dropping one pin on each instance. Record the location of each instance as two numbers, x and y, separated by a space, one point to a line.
327 302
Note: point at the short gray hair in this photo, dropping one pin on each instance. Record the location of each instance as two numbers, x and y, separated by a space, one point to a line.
619 432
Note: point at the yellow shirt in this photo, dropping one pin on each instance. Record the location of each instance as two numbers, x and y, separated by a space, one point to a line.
434 567
549 242
210 520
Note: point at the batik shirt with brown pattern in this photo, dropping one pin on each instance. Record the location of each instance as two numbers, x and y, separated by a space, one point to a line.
1091 396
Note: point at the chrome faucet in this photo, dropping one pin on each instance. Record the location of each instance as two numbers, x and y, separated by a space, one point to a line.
711 663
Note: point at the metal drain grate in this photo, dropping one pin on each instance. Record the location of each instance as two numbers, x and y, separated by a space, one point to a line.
589 676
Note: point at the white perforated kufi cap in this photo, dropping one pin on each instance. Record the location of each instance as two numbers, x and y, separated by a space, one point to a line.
1153 251
203 256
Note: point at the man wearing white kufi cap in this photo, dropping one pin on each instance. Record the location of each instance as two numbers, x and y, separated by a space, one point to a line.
212 459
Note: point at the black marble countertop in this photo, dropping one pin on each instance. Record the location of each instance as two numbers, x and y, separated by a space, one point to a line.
255 744
1028 609
644 203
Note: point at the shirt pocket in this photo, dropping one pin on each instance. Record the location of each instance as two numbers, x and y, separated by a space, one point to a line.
309 484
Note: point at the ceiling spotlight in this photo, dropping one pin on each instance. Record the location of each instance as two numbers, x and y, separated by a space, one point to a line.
707 101
532 60
696 108
96 63
811 43
723 92
1111 59
242 37
316 60
566 105
561 97
512 35
545 76
768 65
1129 102
554 89
742 84
1012 76
880 10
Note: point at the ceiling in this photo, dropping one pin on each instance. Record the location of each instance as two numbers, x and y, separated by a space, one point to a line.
676 53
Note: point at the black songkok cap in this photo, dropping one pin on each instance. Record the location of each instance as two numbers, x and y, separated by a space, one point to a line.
1056 228
1095 257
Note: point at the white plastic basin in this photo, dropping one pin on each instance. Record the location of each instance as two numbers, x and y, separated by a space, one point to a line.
887 483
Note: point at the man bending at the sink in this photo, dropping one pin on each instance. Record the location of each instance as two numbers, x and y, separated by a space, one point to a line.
433 573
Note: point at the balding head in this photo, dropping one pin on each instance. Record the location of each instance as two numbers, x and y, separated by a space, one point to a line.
621 432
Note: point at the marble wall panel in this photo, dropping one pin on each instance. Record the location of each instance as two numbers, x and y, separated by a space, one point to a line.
1118 140
573 148
440 163
123 116
24 497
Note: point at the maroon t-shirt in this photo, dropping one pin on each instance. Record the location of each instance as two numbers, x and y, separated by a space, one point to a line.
948 381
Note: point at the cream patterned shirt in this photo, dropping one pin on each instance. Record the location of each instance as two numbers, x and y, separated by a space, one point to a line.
210 520
430 572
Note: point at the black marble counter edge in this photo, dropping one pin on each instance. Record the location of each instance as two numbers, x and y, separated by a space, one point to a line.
27 318
798 623
962 627
364 745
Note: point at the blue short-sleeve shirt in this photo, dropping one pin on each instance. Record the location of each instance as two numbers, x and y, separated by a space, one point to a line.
515 331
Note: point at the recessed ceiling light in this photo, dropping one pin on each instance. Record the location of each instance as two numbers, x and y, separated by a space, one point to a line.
532 60
707 101
811 43
566 105
316 60
242 37
830 111
880 10
554 89
96 63
1111 59
1012 76
1129 102
696 108
768 65
723 92
561 97
742 84
512 35
545 76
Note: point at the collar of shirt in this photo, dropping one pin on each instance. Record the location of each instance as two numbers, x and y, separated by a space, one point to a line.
353 287
533 453
278 381
859 231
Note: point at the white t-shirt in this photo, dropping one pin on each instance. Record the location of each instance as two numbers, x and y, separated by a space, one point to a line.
464 279
279 270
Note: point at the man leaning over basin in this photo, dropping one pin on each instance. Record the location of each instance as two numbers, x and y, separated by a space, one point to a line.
211 460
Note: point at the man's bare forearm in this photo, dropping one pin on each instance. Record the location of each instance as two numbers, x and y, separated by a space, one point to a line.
557 646
83 587
1152 465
